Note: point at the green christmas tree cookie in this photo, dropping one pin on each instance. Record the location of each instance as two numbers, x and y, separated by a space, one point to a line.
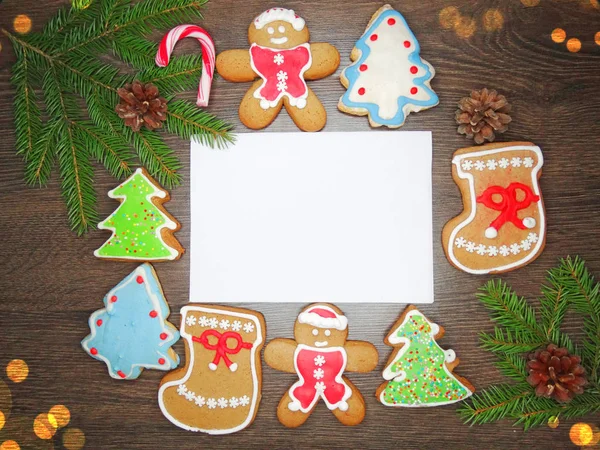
419 372
142 229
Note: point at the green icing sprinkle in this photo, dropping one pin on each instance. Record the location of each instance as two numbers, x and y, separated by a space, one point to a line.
427 380
135 223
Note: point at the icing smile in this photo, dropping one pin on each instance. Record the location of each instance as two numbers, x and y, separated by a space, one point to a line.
321 343
281 40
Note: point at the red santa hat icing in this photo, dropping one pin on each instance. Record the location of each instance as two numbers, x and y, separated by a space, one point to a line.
322 316
287 15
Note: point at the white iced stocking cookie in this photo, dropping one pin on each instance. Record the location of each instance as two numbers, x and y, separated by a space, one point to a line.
503 225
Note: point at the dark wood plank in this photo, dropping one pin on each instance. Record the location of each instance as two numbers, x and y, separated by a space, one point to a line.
50 282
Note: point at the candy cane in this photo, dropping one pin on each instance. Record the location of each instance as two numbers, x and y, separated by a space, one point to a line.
208 55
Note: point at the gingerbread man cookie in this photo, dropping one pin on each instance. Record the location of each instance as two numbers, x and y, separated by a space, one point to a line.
281 56
320 354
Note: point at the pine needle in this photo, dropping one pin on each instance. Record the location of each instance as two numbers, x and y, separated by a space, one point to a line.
66 61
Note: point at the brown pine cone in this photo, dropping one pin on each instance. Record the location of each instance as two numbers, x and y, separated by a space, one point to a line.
482 114
141 106
556 374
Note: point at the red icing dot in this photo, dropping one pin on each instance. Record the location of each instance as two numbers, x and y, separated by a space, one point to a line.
163 336
121 374
363 67
153 314
161 360
414 69
407 44
361 91
113 298
99 322
391 21
413 90
373 37
140 279
93 351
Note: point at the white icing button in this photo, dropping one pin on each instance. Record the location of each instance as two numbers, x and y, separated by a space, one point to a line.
301 103
343 406
450 355
491 233
264 104
233 367
294 406
212 366
529 222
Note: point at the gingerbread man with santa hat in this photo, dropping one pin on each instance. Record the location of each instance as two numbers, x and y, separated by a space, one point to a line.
281 56
320 354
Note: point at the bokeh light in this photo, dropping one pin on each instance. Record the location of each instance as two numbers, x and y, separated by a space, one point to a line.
597 38
466 27
553 422
493 20
22 24
73 439
2 420
17 370
43 427
581 434
10 445
559 35
530 2
59 416
5 400
449 17
573 45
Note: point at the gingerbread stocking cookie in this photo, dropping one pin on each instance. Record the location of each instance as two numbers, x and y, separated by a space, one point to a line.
219 389
281 56
320 354
503 225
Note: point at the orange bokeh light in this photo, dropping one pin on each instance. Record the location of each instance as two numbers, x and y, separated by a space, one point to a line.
493 20
597 38
22 24
449 17
573 45
73 439
17 370
43 426
559 35
530 2
466 27
10 445
59 415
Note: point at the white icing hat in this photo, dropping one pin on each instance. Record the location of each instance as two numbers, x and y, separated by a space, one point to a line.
322 316
287 15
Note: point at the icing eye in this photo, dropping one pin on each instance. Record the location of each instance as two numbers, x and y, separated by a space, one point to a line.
270 30
281 29
315 332
327 333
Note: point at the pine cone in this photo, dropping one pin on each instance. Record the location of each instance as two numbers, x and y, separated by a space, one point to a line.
556 374
482 114
141 106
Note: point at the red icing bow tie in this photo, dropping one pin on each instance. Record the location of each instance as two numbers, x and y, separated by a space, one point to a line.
508 206
221 347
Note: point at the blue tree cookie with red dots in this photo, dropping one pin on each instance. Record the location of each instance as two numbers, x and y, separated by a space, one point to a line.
142 229
387 79
131 332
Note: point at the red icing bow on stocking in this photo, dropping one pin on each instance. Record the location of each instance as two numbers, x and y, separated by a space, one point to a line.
221 347
508 206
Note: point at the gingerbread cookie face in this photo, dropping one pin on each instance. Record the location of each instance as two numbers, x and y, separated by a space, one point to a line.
269 31
419 372
503 225
219 390
320 355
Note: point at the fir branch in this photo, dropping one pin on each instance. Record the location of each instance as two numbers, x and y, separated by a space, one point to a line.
554 303
509 310
495 403
512 366
515 342
28 118
134 50
157 157
41 160
66 18
537 411
182 73
189 122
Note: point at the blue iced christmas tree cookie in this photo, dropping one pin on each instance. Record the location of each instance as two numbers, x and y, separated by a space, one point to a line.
387 79
131 332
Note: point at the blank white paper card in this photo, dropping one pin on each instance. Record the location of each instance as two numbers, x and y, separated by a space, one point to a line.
308 217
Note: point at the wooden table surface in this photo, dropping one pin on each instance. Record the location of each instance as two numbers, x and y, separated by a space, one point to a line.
50 281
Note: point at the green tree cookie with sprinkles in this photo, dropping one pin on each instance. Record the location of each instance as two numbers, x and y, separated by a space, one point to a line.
419 371
142 230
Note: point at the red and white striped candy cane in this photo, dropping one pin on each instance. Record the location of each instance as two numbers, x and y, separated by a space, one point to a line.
208 55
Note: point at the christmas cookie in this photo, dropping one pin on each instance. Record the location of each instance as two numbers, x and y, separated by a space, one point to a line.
503 225
281 56
131 332
320 355
387 79
141 228
219 389
419 371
